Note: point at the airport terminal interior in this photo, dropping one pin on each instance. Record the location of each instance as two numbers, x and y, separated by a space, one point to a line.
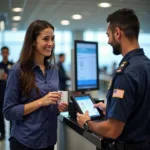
79 24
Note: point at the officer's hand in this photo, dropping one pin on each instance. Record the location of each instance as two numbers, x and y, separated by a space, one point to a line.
102 106
50 98
82 118
62 106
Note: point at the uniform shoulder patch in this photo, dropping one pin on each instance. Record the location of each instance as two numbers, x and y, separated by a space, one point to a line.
122 66
118 93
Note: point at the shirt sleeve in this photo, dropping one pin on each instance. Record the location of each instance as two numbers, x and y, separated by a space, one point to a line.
12 108
122 98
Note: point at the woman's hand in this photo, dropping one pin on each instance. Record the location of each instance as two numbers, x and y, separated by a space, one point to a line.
62 106
50 98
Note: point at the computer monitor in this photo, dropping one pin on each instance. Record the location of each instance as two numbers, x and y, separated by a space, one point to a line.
85 74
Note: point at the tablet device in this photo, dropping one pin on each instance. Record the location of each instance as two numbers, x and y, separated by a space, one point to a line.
85 102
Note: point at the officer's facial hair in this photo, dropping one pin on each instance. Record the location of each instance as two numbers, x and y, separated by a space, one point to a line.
116 47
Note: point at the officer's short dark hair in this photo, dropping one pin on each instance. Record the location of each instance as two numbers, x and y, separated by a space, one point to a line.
4 47
61 54
126 20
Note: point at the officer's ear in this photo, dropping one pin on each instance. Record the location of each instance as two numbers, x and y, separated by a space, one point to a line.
117 33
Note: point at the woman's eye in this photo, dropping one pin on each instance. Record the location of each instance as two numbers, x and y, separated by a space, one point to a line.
45 39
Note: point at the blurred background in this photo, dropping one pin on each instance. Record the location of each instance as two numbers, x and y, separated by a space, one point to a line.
73 19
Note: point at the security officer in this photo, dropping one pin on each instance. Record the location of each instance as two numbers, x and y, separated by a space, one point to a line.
62 73
5 65
127 124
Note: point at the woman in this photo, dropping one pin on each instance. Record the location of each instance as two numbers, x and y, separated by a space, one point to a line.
31 97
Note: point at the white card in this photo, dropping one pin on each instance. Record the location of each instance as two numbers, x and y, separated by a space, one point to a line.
64 96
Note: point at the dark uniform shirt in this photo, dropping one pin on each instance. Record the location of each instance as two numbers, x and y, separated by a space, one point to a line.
128 98
62 77
4 68
36 130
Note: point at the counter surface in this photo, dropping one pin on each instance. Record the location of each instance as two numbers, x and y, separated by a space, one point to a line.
72 123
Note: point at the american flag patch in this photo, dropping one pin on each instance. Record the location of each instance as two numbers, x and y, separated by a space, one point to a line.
118 93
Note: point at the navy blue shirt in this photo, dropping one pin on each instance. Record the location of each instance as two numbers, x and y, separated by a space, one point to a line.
38 129
62 77
128 98
5 67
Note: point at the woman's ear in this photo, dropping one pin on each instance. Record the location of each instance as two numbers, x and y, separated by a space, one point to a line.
33 43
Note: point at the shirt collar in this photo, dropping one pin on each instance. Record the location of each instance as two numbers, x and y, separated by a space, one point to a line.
46 64
132 53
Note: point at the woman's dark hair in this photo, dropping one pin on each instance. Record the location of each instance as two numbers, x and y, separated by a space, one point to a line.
126 20
27 76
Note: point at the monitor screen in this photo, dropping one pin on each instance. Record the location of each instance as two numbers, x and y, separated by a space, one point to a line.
85 103
86 65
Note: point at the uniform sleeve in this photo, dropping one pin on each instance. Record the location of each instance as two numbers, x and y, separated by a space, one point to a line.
12 108
122 98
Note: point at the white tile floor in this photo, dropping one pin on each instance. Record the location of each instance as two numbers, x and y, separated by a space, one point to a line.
4 145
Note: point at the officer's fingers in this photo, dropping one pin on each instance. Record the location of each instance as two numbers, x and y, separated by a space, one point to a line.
100 104
97 105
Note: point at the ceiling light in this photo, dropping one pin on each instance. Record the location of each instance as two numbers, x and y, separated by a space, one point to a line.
105 5
16 18
17 9
77 17
14 29
65 22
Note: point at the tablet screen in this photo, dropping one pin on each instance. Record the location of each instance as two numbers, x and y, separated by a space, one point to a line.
85 103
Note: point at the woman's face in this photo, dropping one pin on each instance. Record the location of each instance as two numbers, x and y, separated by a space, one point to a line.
45 43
